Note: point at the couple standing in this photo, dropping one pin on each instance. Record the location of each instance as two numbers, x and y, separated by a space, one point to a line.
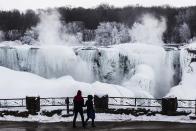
78 108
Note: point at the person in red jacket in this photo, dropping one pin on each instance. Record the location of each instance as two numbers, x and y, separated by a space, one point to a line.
78 107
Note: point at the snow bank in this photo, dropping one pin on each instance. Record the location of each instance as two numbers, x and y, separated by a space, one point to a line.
104 88
15 84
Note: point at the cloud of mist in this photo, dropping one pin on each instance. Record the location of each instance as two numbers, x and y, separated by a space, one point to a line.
52 32
49 28
148 30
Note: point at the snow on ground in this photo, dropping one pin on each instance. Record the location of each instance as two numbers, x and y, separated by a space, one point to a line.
101 117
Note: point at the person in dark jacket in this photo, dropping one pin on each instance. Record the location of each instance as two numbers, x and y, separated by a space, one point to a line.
90 110
78 107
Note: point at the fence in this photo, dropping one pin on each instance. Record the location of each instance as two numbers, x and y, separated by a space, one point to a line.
134 102
113 102
52 101
191 104
7 103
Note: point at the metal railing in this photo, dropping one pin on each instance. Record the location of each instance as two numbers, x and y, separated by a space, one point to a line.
182 103
134 102
55 101
18 102
112 101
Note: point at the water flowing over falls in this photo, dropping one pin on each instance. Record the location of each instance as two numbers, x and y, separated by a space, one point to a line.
151 68
186 88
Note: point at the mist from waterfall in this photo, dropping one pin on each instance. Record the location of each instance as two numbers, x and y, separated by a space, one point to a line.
49 28
148 30
51 31
55 57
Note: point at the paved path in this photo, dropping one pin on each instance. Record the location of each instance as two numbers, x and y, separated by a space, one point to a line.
101 126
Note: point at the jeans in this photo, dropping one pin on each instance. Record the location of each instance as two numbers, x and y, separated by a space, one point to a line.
75 116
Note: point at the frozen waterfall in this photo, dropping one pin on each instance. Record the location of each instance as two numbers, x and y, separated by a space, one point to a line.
115 64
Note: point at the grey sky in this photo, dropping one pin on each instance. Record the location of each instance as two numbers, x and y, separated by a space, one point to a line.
34 4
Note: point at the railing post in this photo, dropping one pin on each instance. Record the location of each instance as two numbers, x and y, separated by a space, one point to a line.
135 102
195 107
121 101
53 102
67 104
149 102
101 103
5 103
33 104
22 102
169 106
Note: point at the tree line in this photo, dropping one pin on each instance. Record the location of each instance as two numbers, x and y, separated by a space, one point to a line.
181 22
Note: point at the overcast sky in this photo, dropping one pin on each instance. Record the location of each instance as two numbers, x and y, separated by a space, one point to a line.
35 4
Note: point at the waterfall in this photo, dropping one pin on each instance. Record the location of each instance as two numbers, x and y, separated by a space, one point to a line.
115 64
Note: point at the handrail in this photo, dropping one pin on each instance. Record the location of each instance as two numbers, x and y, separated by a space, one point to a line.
123 101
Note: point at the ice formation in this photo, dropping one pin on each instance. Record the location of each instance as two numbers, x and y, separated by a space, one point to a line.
144 69
140 64
186 89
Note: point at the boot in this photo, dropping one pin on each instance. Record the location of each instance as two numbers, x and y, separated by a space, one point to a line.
74 125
